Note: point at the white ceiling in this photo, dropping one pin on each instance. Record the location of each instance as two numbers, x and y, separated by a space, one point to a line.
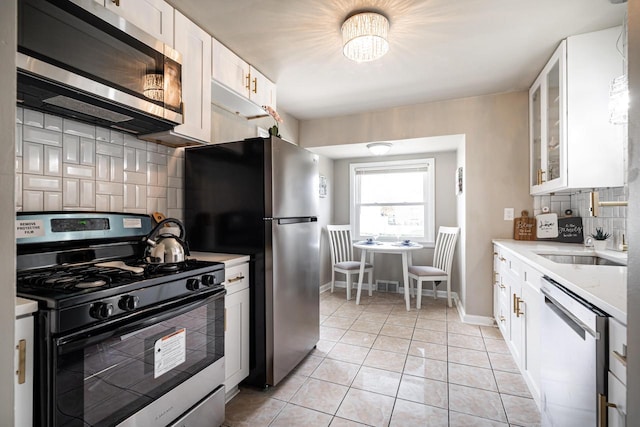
439 49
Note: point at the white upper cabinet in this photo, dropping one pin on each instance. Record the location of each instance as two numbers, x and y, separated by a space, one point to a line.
262 91
228 68
237 86
153 16
572 143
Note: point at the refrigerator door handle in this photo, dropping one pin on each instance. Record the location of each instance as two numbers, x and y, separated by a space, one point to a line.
297 220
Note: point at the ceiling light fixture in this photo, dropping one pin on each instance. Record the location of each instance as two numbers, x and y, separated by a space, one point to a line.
379 148
364 36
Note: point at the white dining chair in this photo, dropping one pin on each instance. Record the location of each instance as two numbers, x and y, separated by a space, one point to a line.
341 248
441 268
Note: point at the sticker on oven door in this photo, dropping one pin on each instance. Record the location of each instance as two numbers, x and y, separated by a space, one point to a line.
169 352
26 228
132 223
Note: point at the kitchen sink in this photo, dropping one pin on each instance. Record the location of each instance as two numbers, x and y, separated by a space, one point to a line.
581 259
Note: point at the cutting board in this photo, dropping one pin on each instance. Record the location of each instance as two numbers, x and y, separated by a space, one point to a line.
547 226
524 228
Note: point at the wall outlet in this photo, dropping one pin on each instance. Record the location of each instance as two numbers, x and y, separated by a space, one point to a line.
508 214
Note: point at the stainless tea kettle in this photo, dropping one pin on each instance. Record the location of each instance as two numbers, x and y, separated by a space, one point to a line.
164 248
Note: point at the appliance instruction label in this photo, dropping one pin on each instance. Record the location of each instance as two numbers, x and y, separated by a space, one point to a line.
26 228
169 352
132 223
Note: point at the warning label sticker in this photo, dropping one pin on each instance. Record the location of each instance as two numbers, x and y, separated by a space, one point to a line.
169 352
29 228
132 223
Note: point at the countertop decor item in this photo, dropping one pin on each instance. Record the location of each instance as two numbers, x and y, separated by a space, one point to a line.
547 226
524 228
600 239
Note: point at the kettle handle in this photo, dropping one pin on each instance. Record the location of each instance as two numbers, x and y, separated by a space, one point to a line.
161 224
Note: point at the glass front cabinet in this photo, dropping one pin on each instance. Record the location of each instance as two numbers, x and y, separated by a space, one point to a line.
572 143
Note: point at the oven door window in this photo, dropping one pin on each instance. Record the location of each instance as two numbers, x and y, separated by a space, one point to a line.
102 379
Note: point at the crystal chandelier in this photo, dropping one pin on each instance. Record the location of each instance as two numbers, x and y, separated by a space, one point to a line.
364 36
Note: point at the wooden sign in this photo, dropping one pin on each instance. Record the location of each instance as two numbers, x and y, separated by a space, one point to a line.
570 230
524 228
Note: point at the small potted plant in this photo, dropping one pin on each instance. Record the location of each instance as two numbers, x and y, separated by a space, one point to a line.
600 239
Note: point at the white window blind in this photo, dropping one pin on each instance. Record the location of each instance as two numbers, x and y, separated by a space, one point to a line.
393 200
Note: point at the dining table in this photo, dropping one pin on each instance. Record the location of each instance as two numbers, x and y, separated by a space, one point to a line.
372 247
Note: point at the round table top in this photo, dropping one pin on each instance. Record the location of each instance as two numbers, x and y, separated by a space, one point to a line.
387 246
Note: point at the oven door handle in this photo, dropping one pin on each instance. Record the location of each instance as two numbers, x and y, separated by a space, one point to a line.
137 321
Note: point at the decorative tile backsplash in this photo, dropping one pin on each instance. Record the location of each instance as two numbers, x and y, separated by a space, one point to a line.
612 219
62 164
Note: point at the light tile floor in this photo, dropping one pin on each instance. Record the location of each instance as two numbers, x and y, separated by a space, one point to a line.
378 365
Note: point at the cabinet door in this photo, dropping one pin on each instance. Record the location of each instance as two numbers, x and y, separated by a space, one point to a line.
236 338
262 90
195 46
516 339
496 283
617 416
531 304
548 137
153 16
229 69
23 387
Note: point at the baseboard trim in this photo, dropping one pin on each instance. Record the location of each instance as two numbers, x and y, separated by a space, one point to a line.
470 318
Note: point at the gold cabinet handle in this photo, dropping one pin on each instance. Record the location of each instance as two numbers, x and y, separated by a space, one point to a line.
622 359
514 303
22 361
495 253
255 85
248 84
116 2
495 277
503 259
602 410
518 312
502 286
235 279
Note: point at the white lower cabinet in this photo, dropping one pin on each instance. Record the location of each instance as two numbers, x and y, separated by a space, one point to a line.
518 314
23 361
617 390
236 336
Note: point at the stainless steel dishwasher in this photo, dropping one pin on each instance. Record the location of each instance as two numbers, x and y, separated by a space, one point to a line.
574 359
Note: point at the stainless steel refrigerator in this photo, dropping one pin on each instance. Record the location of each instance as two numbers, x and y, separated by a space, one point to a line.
260 197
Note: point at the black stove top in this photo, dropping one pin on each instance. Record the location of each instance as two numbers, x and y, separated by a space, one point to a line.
87 273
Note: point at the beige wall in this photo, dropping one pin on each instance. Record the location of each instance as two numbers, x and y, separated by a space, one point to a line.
388 267
7 213
496 167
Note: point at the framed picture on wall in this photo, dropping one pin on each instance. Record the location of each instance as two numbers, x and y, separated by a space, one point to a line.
323 186
459 180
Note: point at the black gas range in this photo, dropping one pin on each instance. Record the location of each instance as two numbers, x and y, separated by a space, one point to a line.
105 315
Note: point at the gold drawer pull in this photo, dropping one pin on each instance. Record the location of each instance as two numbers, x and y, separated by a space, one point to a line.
503 259
235 279
503 319
622 359
22 361
116 2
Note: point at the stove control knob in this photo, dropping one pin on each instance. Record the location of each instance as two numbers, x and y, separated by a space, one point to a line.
193 284
208 279
129 302
101 310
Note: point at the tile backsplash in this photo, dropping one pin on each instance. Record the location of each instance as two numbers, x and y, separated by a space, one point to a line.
62 164
612 219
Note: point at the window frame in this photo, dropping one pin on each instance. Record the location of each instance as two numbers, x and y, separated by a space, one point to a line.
390 165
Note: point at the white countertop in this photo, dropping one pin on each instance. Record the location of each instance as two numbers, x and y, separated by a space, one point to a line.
229 260
604 286
25 306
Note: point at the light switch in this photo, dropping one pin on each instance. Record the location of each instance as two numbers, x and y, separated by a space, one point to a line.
508 214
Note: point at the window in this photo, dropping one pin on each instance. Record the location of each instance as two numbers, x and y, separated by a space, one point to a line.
393 200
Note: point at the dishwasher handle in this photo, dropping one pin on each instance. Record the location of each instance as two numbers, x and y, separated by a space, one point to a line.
565 315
